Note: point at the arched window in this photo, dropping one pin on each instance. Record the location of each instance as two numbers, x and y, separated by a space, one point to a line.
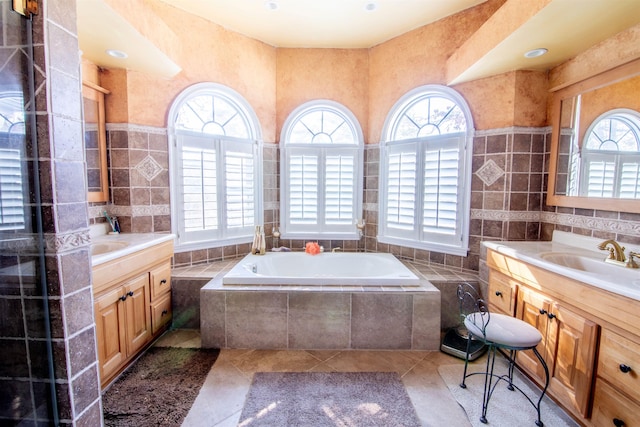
321 172
216 163
611 156
425 158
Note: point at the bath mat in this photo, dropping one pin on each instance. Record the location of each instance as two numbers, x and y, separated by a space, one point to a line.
328 399
506 408
159 389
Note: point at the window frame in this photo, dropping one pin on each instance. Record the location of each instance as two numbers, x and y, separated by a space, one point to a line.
417 237
223 236
321 230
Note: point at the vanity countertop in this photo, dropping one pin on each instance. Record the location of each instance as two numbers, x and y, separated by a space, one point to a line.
613 278
131 242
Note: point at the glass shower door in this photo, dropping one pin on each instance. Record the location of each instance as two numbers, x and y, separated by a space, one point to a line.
27 394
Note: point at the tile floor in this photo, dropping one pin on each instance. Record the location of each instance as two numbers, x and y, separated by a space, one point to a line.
222 396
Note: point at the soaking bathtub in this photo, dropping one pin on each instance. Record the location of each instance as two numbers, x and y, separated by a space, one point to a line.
325 269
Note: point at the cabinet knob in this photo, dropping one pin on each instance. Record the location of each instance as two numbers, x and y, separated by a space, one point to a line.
618 422
625 368
130 293
123 297
164 312
543 311
498 293
163 281
551 316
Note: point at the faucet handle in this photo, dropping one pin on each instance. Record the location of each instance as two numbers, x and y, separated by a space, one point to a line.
630 261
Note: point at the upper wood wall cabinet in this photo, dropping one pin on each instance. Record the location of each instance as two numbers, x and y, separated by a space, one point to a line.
95 142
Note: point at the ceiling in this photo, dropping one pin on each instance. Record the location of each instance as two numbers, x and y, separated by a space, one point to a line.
565 27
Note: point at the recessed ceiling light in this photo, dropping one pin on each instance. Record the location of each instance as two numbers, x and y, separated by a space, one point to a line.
271 5
534 53
117 53
370 6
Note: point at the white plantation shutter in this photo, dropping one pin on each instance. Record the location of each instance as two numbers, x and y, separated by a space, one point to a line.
218 197
199 189
340 188
303 189
11 199
440 206
321 173
240 179
630 180
401 187
600 178
425 173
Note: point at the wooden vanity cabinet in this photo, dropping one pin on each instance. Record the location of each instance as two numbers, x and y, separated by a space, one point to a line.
131 308
588 334
568 346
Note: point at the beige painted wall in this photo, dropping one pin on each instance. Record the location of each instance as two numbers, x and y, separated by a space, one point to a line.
339 75
367 81
207 53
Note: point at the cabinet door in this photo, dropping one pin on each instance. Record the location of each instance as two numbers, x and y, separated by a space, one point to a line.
138 313
110 332
574 340
533 307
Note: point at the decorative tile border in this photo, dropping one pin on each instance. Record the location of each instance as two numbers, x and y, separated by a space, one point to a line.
67 241
630 228
513 130
128 127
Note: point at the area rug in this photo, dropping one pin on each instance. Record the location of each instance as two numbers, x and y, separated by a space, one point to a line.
506 408
318 399
159 389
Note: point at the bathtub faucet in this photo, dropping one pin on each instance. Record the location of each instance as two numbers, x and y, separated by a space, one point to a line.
336 249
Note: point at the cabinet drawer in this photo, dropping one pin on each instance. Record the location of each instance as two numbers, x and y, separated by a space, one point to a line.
160 280
617 353
610 405
502 292
160 313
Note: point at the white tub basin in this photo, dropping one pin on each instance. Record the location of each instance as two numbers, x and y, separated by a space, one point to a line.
106 247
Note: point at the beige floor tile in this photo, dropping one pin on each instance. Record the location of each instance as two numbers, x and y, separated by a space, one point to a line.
220 398
275 361
432 399
185 338
372 361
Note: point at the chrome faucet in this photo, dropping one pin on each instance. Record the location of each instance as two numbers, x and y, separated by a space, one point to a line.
336 249
616 252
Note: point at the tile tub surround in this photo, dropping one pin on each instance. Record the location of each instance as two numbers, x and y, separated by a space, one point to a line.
189 280
338 317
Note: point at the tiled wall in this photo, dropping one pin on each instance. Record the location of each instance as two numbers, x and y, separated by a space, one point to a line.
66 236
507 197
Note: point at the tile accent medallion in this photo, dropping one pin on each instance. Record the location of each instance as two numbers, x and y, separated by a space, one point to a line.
490 172
148 168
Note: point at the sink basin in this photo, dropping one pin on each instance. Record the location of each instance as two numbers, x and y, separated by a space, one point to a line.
591 265
106 247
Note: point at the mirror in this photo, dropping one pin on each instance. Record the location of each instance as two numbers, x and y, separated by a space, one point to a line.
595 158
95 142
